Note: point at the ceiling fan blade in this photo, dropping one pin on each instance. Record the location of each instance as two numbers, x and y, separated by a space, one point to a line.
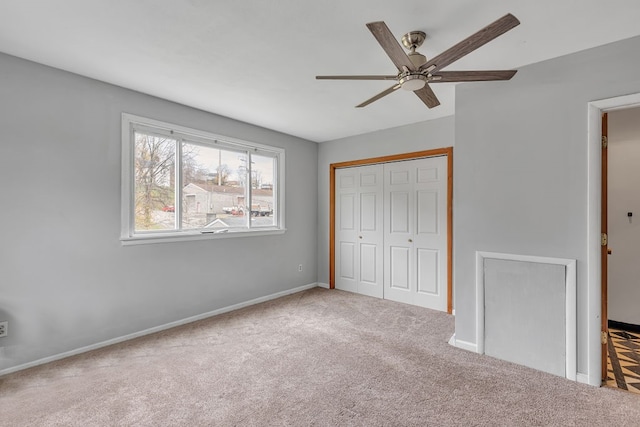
390 45
378 96
471 76
427 96
357 77
472 43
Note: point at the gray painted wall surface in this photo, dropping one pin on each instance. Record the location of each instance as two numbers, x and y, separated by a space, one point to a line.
66 280
427 135
624 234
515 328
520 179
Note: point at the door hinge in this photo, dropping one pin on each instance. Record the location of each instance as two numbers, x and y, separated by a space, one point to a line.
603 337
604 239
605 141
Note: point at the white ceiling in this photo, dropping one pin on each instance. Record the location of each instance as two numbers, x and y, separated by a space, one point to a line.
256 60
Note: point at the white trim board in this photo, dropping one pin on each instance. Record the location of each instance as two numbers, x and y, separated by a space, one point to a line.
594 215
464 345
157 329
570 302
582 378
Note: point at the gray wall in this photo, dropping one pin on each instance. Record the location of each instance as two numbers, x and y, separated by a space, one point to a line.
520 179
421 136
624 233
66 280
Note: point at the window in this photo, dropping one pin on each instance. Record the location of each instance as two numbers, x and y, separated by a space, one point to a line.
183 184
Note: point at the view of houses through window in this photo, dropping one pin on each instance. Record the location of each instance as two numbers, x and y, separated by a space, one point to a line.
180 184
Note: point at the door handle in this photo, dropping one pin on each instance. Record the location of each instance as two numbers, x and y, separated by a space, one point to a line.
359 237
609 251
410 240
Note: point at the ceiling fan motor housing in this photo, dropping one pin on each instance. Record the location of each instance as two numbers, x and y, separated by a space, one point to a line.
417 59
413 40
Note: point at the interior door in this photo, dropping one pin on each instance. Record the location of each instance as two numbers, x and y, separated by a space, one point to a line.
604 249
359 233
415 241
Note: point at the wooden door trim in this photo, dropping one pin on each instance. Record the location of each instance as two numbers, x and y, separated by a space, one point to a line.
447 151
604 248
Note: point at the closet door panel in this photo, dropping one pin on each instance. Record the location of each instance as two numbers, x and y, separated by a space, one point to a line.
359 231
430 239
416 203
346 231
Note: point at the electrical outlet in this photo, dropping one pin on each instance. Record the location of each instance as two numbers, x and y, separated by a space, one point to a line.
299 267
4 328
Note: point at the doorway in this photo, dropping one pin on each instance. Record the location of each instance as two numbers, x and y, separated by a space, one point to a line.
370 167
594 310
621 205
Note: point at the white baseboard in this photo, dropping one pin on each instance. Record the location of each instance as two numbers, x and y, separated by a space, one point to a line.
586 379
323 285
452 340
463 344
580 377
158 328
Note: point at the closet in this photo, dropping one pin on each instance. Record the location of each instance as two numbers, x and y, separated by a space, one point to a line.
391 231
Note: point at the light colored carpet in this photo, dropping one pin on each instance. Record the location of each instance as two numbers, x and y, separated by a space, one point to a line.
315 358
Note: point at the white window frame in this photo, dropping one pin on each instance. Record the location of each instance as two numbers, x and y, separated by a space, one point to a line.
129 236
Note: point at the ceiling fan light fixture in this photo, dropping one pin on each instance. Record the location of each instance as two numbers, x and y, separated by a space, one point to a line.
413 82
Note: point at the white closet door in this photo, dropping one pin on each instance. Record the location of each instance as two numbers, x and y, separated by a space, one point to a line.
359 230
415 241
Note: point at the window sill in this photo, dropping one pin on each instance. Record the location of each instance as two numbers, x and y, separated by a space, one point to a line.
195 236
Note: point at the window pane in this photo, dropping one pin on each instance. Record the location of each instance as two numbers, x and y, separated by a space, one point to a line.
182 181
213 196
154 182
262 190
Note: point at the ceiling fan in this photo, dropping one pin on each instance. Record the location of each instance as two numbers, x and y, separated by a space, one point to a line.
415 72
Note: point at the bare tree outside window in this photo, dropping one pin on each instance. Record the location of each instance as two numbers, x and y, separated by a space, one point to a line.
154 181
